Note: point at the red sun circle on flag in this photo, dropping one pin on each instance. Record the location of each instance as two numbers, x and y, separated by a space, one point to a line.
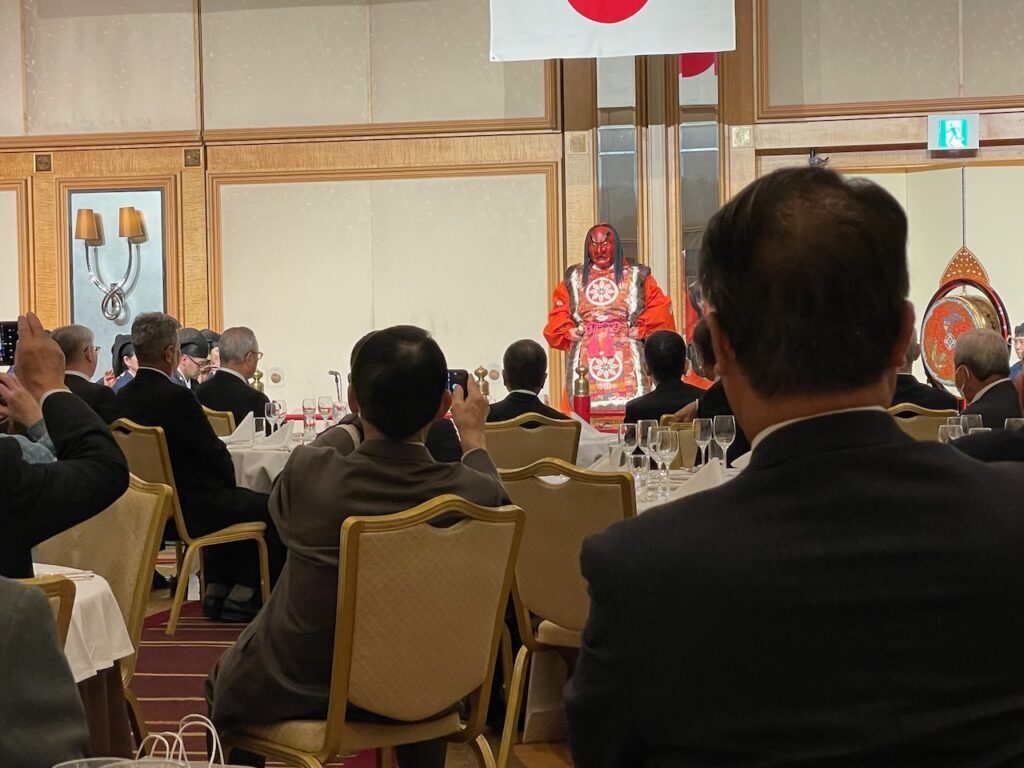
607 11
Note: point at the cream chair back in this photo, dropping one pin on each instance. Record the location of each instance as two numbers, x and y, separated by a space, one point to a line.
223 422
512 444
563 506
687 456
421 607
120 544
924 423
61 593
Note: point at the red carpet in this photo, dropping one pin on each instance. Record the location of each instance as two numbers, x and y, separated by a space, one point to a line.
171 673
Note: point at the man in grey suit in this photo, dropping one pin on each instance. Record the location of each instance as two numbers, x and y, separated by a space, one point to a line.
41 716
281 667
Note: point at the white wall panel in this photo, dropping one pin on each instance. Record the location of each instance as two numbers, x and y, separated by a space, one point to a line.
296 269
110 65
9 303
11 107
286 63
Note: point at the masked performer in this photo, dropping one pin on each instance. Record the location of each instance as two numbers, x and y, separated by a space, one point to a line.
602 310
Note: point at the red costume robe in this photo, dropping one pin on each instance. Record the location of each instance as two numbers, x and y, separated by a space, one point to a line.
607 311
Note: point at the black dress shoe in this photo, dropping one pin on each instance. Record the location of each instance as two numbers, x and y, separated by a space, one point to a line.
213 600
241 605
160 581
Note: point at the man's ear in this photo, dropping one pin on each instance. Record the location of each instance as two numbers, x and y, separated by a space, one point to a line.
725 356
353 403
504 378
898 354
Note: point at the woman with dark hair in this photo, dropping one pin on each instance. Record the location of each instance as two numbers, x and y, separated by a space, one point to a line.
123 361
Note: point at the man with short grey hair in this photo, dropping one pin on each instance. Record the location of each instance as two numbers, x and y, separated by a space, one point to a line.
81 358
982 375
229 389
203 471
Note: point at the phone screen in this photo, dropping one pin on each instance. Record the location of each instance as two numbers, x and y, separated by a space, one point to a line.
458 376
8 341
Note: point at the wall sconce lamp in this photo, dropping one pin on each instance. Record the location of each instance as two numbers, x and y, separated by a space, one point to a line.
131 227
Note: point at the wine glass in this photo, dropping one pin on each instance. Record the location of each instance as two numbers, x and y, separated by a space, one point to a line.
278 412
955 432
943 433
1013 424
627 437
645 430
340 411
970 421
702 435
270 411
725 434
666 448
325 404
979 430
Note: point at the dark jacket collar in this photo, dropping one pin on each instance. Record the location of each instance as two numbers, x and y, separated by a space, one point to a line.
825 434
393 450
524 397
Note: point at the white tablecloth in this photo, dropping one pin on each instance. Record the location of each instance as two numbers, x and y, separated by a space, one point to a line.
257 468
97 636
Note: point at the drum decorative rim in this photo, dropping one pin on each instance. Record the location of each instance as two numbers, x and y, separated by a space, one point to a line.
944 291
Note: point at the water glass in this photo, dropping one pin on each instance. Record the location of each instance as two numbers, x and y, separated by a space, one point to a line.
616 458
664 447
703 434
725 434
326 407
638 464
1014 424
955 432
969 421
259 427
979 430
340 411
627 437
944 433
308 419
645 431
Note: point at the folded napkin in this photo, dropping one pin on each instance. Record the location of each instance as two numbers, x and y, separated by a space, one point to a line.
588 431
607 464
244 433
709 476
741 461
278 439
74 574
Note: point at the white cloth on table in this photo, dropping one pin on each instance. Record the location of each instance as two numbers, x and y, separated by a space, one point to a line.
711 475
256 468
279 439
244 433
97 636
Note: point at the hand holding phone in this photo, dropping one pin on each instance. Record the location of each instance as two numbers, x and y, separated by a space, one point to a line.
8 341
458 376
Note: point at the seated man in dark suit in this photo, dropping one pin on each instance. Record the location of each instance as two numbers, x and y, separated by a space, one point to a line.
38 501
997 445
910 390
665 356
203 471
810 612
41 717
80 359
281 667
524 372
193 358
229 388
983 376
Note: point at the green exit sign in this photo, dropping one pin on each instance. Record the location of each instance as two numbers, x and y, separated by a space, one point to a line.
953 133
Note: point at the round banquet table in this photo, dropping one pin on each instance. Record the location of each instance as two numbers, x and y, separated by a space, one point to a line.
257 468
97 639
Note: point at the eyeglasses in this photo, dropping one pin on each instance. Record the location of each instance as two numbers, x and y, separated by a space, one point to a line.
201 364
259 355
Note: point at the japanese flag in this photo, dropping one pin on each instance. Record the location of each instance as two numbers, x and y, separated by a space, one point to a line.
574 29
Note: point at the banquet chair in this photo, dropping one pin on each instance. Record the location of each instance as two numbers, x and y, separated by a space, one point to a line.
687 456
61 593
563 506
511 444
146 451
420 609
923 423
120 544
223 422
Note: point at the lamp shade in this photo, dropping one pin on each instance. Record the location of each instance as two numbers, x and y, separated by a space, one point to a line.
128 223
85 225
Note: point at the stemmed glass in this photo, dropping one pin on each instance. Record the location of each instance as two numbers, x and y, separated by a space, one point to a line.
1014 424
955 432
340 411
665 447
638 464
308 418
943 435
275 411
325 404
970 421
725 433
645 430
702 435
627 437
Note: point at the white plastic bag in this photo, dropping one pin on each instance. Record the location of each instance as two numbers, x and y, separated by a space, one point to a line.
170 745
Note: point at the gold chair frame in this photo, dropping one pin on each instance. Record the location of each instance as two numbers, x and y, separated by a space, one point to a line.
130 436
62 590
924 423
341 735
555 636
516 430
223 422
135 611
